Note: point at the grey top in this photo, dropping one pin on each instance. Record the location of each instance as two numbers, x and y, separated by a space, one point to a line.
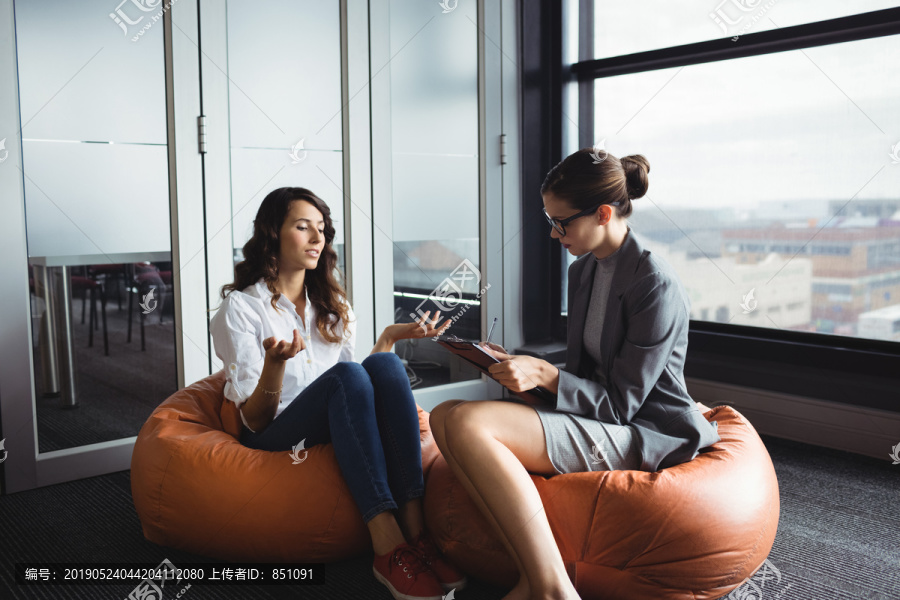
593 329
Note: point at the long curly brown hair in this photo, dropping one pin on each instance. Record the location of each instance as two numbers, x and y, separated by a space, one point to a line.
261 260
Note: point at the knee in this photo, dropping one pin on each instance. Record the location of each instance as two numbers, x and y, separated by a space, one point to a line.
349 370
383 362
354 379
463 423
437 418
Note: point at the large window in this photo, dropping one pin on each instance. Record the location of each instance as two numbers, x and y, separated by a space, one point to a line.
775 185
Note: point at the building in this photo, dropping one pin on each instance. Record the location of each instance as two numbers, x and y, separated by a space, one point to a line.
854 269
881 324
774 292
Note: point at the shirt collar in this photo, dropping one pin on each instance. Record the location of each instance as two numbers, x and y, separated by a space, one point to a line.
264 292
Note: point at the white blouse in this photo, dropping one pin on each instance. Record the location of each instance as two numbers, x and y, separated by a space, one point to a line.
246 318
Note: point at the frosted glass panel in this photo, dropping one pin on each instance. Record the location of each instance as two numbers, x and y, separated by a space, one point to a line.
435 188
284 96
82 78
434 79
284 66
434 120
94 199
435 177
320 172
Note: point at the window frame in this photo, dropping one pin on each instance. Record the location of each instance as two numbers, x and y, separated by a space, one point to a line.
848 370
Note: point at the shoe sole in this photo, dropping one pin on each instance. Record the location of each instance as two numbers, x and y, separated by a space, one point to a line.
395 593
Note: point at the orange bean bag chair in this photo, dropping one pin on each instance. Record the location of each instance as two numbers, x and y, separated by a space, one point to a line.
196 488
693 531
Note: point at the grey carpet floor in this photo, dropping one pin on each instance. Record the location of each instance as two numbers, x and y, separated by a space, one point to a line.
838 537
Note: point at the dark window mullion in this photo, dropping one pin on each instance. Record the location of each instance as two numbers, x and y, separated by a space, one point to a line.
541 74
834 31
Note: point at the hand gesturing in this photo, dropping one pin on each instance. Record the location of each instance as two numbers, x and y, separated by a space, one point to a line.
422 327
280 350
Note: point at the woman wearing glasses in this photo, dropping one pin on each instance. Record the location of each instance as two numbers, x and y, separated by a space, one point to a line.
620 402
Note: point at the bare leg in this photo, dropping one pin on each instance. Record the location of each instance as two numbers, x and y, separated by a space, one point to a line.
494 445
521 591
412 518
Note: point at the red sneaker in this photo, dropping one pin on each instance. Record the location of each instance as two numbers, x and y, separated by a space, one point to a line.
404 572
447 574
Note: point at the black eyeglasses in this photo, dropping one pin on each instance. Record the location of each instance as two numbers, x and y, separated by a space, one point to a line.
560 224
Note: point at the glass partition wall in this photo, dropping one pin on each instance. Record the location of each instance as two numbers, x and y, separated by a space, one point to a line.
135 157
95 172
435 181
284 107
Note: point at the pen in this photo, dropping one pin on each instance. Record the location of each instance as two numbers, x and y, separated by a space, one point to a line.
491 331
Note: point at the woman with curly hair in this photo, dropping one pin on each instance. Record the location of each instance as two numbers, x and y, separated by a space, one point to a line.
285 333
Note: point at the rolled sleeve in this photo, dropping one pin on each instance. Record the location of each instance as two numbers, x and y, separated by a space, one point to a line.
236 337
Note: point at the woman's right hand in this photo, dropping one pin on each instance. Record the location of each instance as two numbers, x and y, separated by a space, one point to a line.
494 347
282 351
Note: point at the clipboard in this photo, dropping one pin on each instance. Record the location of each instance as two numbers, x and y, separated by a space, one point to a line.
478 357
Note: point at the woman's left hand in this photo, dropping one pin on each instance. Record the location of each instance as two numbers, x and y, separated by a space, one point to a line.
420 328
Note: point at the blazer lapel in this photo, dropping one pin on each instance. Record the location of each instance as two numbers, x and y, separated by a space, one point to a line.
628 263
632 252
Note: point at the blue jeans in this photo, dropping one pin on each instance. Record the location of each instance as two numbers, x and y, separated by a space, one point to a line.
367 411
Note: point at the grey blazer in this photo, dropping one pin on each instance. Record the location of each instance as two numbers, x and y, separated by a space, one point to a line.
644 343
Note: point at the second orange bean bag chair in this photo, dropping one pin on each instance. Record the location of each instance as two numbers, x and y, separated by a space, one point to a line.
694 531
196 488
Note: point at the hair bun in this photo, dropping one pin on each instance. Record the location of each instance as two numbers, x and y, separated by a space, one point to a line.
637 168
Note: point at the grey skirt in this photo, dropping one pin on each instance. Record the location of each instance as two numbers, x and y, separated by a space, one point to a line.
577 444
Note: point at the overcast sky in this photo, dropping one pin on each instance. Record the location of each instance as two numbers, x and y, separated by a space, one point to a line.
811 124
